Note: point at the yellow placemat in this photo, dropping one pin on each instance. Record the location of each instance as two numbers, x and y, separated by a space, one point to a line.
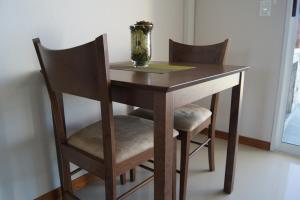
152 68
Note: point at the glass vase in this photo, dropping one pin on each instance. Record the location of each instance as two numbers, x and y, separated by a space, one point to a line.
141 44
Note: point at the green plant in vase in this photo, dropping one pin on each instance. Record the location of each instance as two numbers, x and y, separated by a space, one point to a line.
141 43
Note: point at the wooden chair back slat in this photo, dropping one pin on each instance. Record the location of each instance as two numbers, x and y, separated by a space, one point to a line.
73 71
210 54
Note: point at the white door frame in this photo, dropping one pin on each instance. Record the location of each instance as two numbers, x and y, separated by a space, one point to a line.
189 21
285 74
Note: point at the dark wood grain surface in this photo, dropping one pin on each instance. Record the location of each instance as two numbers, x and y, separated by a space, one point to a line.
173 80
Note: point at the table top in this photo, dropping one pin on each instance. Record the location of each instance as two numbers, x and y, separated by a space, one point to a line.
173 80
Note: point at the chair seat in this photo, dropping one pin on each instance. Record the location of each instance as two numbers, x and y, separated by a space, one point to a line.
186 118
134 135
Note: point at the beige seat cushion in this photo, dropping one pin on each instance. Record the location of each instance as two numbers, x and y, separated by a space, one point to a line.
186 118
134 135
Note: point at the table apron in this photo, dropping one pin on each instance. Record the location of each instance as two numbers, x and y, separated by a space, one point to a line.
144 98
133 96
193 93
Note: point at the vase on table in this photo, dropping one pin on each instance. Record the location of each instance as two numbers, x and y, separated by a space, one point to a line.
141 43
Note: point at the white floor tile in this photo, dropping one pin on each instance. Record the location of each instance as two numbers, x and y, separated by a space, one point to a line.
260 175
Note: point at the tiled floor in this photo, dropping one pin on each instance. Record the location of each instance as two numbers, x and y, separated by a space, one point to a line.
260 175
291 133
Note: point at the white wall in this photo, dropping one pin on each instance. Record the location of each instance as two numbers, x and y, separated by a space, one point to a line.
27 152
254 41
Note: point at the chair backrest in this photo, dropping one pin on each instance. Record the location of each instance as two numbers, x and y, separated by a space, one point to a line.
82 71
210 54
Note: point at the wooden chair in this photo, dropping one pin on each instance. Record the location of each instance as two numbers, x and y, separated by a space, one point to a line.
107 148
192 119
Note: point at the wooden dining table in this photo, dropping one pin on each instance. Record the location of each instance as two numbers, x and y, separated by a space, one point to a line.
164 92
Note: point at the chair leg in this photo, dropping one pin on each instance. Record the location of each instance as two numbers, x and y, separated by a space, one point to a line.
110 187
123 179
211 148
184 163
174 169
132 175
66 179
211 132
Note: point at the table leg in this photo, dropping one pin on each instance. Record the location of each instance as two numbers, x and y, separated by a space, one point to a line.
163 145
236 98
174 168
